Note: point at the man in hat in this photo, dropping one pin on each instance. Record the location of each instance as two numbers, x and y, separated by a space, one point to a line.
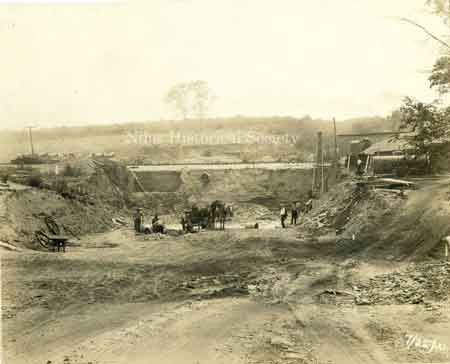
138 219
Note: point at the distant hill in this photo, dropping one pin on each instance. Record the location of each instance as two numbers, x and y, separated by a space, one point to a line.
160 141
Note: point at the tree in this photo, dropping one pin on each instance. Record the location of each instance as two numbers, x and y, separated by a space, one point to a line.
427 123
440 8
177 97
440 75
190 98
202 98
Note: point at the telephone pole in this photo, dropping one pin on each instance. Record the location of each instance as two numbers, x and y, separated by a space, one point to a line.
318 168
322 180
335 143
336 160
31 138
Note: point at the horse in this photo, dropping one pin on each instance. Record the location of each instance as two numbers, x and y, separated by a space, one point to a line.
229 211
218 213
221 216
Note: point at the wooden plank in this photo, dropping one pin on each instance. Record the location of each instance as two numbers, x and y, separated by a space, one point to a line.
137 181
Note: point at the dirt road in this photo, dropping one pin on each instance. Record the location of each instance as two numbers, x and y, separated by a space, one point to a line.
212 297
191 332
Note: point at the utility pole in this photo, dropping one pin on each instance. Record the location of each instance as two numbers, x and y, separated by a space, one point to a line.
315 165
319 163
336 161
322 185
335 143
31 138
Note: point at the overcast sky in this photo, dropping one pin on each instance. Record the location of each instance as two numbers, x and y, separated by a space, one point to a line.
80 64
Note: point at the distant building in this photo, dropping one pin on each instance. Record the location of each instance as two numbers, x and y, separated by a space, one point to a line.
396 156
393 157
391 153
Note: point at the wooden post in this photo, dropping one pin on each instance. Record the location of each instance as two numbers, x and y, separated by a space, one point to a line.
335 140
322 178
319 159
367 164
315 164
446 241
137 181
336 161
30 134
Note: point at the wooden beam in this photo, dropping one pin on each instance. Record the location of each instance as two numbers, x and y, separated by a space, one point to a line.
373 134
137 181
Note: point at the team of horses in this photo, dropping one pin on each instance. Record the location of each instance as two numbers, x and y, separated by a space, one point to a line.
213 216
219 212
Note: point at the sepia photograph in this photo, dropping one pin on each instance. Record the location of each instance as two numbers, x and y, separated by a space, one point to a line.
225 181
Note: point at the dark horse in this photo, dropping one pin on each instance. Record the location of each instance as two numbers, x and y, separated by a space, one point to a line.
218 213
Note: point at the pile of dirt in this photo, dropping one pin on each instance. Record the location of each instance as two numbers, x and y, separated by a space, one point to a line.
414 230
349 209
82 203
415 285
381 223
26 212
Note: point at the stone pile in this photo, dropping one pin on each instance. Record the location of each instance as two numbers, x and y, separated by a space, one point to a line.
418 284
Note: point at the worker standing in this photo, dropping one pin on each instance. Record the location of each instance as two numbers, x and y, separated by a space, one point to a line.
138 220
283 216
359 167
294 214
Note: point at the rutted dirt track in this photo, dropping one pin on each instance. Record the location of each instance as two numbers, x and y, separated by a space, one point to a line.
239 296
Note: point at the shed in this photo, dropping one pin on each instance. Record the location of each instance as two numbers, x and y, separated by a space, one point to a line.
388 147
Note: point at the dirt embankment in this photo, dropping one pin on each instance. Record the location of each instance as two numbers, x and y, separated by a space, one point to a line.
82 204
383 224
25 213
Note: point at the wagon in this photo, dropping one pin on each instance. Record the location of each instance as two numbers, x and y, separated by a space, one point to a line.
206 217
196 218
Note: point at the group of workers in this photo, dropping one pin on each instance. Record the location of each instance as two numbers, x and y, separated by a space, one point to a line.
296 209
156 227
186 220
